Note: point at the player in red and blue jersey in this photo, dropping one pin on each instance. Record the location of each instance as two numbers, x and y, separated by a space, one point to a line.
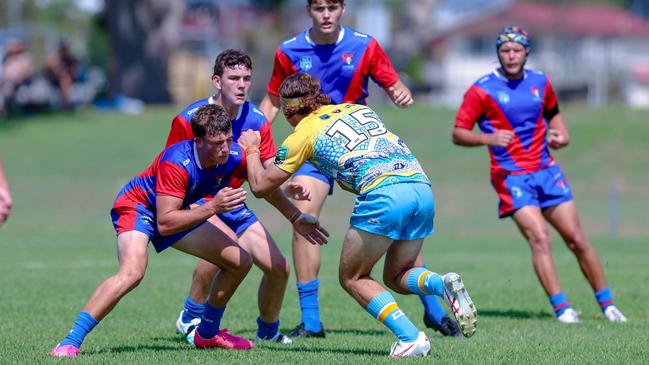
518 115
232 79
155 206
343 60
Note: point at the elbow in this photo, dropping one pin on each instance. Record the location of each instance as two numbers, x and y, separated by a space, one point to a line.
260 193
456 139
164 229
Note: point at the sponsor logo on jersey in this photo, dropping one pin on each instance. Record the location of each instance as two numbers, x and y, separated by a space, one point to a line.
503 97
517 192
190 112
305 63
325 116
186 162
336 111
289 41
360 34
282 154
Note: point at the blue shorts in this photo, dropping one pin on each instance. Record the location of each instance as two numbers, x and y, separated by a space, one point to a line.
544 188
136 217
307 169
238 220
403 211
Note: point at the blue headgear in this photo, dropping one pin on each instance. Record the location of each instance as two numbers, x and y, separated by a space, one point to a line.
513 34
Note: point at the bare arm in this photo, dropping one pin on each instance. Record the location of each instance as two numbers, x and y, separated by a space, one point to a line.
469 138
172 219
270 106
558 134
400 94
5 196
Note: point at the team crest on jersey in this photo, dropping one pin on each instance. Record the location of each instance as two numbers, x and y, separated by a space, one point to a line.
348 58
503 97
282 153
305 63
536 93
219 178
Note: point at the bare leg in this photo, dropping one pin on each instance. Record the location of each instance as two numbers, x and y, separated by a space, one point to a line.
532 225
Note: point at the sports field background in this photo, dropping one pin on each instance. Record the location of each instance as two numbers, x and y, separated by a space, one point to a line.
59 244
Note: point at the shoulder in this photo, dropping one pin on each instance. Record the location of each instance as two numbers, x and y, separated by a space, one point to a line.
252 116
236 156
292 42
180 153
355 36
192 108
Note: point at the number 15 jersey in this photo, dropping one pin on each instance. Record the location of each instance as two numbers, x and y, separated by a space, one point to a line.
349 143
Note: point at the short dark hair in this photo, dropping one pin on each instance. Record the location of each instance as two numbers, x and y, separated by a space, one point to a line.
231 58
300 94
342 2
210 119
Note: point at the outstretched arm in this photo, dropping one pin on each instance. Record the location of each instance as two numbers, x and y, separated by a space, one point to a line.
400 94
469 138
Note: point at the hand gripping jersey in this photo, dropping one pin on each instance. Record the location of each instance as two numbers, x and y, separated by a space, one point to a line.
343 68
177 172
350 144
524 106
249 117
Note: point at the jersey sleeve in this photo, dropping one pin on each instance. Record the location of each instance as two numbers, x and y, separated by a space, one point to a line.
282 68
181 130
550 102
295 150
381 70
267 148
172 180
471 109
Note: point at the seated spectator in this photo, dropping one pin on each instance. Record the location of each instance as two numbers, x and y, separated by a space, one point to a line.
62 68
17 69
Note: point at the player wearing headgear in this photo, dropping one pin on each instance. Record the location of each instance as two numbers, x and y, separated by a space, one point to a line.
518 115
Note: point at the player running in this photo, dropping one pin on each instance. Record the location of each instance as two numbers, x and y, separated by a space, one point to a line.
393 211
518 115
344 60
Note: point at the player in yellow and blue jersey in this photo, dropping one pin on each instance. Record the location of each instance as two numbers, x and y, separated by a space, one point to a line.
393 211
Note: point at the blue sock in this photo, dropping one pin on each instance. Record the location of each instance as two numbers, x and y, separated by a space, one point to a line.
192 310
308 293
424 282
432 308
559 303
384 308
265 330
82 326
210 321
604 298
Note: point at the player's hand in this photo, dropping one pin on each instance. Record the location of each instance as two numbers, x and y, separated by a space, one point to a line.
249 138
228 199
400 95
309 227
500 138
557 139
5 204
297 191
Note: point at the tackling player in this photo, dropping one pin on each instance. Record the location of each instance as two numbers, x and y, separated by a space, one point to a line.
393 211
518 115
344 60
232 79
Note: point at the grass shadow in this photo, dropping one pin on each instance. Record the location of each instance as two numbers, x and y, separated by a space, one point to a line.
513 313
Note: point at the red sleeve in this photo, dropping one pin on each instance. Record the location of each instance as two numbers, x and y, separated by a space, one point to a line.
549 97
282 68
181 130
381 68
267 148
471 109
172 180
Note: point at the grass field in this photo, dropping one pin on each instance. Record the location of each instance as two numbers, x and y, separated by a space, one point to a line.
59 244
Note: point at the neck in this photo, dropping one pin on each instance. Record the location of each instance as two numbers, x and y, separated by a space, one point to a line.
516 76
232 109
321 38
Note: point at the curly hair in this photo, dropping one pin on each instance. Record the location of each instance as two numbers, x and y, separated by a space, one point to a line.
210 119
300 94
231 58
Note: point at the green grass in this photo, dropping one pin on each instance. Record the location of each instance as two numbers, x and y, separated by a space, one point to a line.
59 244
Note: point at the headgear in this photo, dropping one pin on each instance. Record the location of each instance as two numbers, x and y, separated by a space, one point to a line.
513 34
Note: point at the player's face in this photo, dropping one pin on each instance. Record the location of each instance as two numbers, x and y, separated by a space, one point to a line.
326 16
512 58
234 84
215 148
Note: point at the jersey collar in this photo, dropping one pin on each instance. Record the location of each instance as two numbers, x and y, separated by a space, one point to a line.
505 79
311 42
198 161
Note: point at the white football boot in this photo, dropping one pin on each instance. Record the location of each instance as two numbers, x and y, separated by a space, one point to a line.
420 347
569 316
278 338
188 330
614 315
460 302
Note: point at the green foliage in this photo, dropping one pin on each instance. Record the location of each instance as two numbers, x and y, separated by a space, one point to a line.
59 245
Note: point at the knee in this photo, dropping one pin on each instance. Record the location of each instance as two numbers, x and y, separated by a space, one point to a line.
204 272
539 241
280 269
131 278
578 243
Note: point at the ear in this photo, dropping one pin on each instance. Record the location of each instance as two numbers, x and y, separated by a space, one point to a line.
344 8
216 81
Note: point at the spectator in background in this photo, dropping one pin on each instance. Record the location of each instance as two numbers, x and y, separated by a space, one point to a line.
5 196
62 69
17 69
